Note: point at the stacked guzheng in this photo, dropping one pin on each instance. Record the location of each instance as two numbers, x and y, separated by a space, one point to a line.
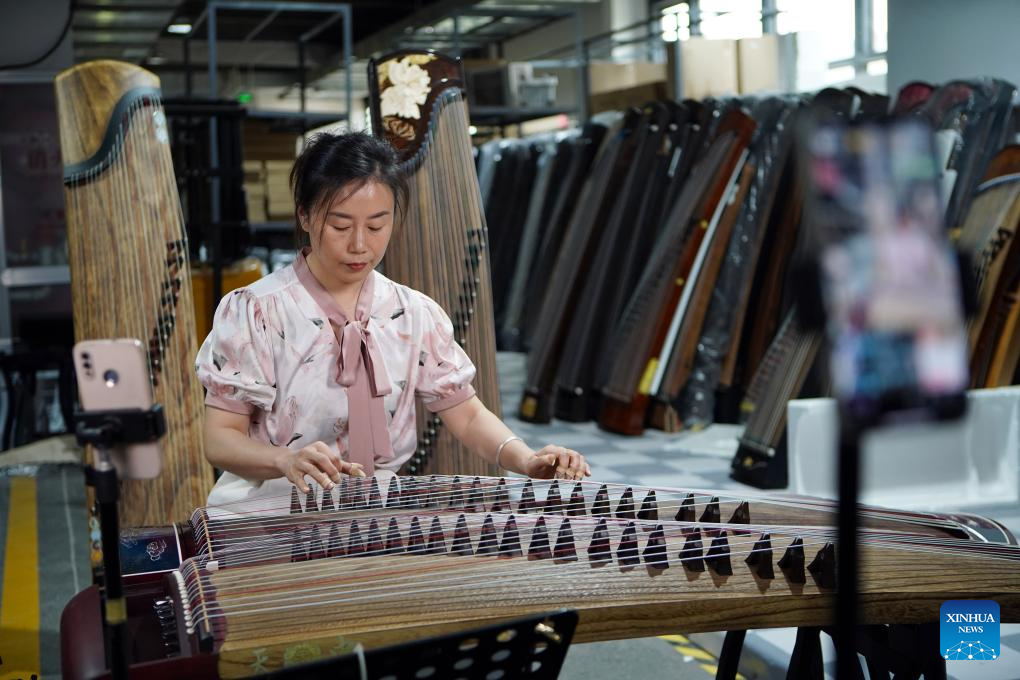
670 296
379 563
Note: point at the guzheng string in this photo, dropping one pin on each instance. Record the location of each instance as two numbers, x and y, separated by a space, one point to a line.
448 264
128 253
446 490
321 584
280 546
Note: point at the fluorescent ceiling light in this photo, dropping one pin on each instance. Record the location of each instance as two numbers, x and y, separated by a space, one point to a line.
179 29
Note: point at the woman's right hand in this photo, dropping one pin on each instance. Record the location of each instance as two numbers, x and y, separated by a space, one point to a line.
319 462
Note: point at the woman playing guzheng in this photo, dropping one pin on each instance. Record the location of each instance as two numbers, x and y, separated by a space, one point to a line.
312 371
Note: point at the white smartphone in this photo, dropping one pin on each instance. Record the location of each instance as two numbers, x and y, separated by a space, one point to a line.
114 375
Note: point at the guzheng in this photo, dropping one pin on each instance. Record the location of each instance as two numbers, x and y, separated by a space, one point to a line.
129 262
648 328
441 248
270 582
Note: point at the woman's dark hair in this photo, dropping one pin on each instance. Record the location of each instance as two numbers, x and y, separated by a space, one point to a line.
331 163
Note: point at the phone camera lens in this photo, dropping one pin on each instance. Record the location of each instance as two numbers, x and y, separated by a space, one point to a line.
111 378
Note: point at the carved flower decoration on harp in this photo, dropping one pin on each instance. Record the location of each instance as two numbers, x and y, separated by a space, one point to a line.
408 90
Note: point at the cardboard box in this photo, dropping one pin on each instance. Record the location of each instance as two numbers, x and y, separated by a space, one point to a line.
619 100
708 68
759 65
608 77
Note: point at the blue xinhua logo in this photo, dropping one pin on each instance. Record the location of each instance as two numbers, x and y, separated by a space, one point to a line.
969 630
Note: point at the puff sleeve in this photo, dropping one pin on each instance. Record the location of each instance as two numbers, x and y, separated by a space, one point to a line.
445 371
235 363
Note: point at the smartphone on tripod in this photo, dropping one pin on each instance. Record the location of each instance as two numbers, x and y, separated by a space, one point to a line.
114 375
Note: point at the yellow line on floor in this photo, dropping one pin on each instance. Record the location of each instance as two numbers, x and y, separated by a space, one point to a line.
682 645
19 608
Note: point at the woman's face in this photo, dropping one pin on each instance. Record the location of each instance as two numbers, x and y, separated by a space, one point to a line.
349 236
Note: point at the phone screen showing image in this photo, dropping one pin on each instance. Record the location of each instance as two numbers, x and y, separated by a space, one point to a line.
890 280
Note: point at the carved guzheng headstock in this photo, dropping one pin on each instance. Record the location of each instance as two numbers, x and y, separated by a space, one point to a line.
441 249
128 255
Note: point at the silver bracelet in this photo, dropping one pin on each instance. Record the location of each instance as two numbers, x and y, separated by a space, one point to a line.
499 449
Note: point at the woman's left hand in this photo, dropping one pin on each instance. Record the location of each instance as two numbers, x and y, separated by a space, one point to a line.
557 462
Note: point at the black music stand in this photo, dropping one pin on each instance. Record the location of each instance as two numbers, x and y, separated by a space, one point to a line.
532 647
106 430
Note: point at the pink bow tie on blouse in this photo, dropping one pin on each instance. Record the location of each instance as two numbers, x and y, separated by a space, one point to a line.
360 369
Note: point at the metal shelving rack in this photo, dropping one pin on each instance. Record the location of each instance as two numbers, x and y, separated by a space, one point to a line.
473 28
335 12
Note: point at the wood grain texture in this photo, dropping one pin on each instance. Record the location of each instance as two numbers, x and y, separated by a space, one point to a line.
87 94
129 269
393 598
441 248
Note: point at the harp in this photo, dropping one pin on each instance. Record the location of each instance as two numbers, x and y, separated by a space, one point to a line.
441 249
309 577
129 262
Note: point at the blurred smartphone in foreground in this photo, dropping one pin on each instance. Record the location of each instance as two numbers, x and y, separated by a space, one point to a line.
889 277
114 375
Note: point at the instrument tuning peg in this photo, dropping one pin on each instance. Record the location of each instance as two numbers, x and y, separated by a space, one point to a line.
334 544
295 502
527 502
649 508
488 541
575 506
600 507
475 498
456 495
742 515
310 503
355 543
511 545
625 508
711 513
565 550
393 494
375 539
655 554
599 549
374 494
553 500
627 552
760 557
718 555
415 537
823 567
539 548
501 500
685 513
327 501
394 541
437 539
316 550
792 562
462 537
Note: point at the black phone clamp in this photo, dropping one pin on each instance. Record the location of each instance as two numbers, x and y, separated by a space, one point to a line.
106 430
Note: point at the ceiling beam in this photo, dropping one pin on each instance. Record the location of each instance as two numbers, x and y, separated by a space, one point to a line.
161 6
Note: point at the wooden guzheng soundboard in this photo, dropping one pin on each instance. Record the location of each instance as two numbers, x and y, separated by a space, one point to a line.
264 582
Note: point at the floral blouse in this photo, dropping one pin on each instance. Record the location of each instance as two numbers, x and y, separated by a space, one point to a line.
273 355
